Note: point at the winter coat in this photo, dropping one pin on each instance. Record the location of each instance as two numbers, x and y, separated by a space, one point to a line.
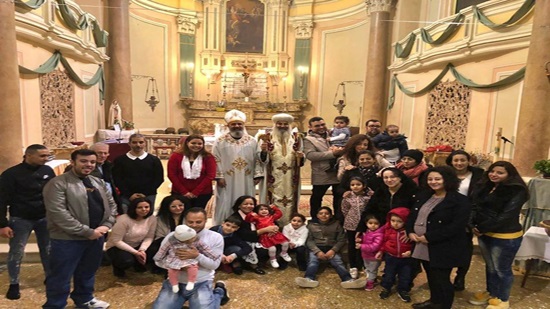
445 229
384 141
328 234
371 243
316 149
352 207
498 212
391 243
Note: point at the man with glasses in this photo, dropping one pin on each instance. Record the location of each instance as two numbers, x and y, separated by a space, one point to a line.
318 150
373 127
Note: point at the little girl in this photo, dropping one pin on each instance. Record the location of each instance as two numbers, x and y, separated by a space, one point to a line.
296 231
183 237
370 243
264 216
353 205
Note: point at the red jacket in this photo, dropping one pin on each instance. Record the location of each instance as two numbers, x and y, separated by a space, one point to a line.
391 243
201 185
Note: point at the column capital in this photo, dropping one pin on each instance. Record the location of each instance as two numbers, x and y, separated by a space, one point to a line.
379 5
303 29
186 24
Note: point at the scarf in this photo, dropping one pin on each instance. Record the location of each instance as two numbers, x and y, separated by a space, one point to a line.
368 172
414 172
191 171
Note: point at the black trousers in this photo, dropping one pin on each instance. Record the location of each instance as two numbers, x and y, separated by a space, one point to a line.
121 259
354 255
441 289
316 200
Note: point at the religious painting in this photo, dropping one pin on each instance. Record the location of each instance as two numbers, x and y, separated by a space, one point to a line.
244 26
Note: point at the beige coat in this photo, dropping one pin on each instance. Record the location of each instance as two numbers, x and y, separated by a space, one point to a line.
316 150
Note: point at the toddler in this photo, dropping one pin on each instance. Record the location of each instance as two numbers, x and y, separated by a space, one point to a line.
391 144
341 133
397 255
296 232
370 243
352 207
183 237
264 216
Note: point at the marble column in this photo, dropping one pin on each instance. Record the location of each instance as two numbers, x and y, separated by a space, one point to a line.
118 72
10 109
533 135
376 90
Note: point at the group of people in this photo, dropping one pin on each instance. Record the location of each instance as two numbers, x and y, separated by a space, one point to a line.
388 205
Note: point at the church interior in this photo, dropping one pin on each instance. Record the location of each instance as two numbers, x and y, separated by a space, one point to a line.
470 74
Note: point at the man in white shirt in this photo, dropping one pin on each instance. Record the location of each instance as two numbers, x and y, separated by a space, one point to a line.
202 295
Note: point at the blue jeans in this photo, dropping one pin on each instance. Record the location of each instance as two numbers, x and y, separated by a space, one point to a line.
201 297
336 262
397 268
499 256
22 229
76 259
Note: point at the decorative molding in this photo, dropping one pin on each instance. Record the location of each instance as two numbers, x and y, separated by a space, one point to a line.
186 25
57 105
340 14
303 29
374 6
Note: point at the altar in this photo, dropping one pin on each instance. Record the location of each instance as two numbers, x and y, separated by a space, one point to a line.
104 135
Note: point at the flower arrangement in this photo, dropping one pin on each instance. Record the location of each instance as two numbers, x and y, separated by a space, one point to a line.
481 160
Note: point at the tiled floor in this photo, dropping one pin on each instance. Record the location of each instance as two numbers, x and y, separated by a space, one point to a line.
274 290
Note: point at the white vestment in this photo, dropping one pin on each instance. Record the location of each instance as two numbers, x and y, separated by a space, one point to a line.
237 161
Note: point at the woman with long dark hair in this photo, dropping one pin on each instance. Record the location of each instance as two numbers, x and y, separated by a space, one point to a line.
350 154
469 177
497 204
437 225
191 169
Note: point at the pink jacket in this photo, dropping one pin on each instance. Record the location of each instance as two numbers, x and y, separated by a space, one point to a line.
371 243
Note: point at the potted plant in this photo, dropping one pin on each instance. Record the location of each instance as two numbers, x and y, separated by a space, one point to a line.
127 125
543 167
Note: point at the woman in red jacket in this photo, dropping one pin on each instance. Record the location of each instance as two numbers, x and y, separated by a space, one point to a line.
191 170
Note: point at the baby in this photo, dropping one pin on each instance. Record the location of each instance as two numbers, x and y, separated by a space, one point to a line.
184 237
391 144
341 133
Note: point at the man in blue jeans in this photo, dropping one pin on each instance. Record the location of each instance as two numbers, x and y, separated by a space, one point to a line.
80 211
21 190
202 296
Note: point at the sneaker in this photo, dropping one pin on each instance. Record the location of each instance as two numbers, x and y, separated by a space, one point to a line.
480 298
286 257
225 297
189 286
354 273
404 295
369 286
495 303
274 263
353 284
384 294
13 292
94 304
306 282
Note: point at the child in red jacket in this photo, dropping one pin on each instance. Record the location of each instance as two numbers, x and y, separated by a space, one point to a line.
396 250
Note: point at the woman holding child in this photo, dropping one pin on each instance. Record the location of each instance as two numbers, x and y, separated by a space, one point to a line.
438 227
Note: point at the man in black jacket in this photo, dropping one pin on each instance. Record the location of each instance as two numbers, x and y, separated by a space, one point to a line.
21 190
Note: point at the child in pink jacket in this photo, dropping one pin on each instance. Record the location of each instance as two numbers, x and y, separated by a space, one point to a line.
370 244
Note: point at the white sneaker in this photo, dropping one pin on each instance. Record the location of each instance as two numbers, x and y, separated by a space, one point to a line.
274 263
353 272
306 282
190 286
175 288
286 257
353 284
94 304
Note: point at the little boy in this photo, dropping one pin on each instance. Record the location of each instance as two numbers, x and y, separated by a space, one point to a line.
324 241
391 144
234 248
341 133
397 255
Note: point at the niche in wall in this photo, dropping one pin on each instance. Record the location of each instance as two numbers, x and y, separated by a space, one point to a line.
57 108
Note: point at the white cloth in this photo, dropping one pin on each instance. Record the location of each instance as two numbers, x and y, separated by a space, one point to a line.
296 236
237 161
535 245
194 171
